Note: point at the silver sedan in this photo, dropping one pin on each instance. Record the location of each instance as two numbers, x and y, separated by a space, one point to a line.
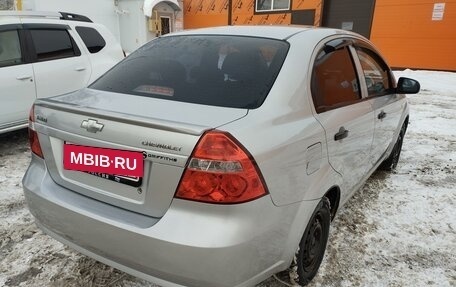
216 157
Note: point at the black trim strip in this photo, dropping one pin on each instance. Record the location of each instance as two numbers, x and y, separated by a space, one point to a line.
9 27
46 26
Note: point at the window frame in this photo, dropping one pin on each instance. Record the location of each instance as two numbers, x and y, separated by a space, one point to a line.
375 55
272 10
49 27
347 44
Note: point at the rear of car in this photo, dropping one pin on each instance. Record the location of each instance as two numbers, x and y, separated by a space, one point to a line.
194 194
202 159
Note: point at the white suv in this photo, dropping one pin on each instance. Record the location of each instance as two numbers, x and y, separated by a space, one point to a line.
44 54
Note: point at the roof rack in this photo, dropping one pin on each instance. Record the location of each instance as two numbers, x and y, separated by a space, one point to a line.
40 14
74 17
34 14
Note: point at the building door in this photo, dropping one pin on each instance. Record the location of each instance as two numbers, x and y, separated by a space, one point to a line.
303 17
165 25
353 15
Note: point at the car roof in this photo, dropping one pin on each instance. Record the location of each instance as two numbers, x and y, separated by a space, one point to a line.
279 32
266 31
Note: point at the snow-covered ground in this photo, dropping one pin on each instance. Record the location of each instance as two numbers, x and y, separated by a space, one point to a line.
398 230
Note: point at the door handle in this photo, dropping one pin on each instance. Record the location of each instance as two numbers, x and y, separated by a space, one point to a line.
381 115
22 78
343 133
80 69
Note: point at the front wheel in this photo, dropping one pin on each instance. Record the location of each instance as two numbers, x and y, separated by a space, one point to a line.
313 243
390 163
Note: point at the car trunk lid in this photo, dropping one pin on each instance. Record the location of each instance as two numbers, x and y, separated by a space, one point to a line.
165 134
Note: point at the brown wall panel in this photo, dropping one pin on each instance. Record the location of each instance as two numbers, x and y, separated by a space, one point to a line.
310 4
337 13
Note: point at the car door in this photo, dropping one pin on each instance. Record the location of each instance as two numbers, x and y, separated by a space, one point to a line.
60 66
379 90
347 119
103 50
16 78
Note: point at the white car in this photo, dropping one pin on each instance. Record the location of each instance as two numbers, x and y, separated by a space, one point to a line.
187 172
45 54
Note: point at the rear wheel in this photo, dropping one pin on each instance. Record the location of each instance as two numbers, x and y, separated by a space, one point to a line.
313 243
390 163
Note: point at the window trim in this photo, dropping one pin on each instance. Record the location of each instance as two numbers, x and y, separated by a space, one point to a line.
391 79
272 10
46 27
9 27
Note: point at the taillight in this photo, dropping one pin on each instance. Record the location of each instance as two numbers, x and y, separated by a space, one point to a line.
33 135
221 170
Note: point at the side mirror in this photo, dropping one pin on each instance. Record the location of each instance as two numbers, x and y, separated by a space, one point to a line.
407 86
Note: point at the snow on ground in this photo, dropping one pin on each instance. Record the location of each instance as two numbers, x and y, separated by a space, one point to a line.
398 230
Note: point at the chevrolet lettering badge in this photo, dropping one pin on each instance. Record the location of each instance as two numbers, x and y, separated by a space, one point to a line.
92 126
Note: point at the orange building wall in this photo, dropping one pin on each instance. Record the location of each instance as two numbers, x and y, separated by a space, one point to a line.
403 30
408 38
207 13
243 14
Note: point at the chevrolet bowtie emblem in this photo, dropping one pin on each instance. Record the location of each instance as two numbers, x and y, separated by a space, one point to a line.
92 126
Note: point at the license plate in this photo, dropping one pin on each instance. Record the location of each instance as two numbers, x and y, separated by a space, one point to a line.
128 180
128 165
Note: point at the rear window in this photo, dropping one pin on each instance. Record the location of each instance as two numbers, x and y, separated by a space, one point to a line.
222 71
92 39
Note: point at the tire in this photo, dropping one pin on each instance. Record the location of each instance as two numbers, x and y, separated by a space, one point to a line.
390 163
313 244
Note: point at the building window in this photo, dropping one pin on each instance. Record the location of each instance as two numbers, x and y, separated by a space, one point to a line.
272 5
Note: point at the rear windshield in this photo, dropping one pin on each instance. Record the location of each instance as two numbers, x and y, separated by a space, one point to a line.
222 71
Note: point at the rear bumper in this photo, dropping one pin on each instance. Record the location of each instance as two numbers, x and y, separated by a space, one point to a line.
193 244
